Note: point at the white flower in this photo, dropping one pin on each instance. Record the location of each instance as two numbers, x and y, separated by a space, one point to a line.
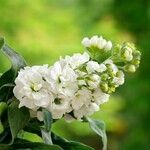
86 42
79 113
100 97
101 43
82 82
63 79
98 42
94 40
31 88
77 59
59 107
112 66
86 110
93 66
119 79
108 46
82 97
93 107
93 81
102 68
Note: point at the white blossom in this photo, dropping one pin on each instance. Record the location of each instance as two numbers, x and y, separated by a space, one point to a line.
93 81
93 66
119 79
100 97
31 88
86 110
77 59
62 79
98 42
59 107
82 97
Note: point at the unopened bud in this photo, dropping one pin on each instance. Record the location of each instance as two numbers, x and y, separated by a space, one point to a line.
104 87
130 68
127 53
104 77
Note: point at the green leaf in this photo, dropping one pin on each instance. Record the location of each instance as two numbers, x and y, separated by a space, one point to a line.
6 92
7 85
16 59
98 55
34 126
3 107
24 145
17 118
69 145
29 136
99 128
9 76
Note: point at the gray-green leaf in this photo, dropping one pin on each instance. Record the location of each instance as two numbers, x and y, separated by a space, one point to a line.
9 76
99 128
47 119
46 137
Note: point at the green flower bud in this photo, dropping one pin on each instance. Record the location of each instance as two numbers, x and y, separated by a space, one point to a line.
104 87
137 54
126 53
130 68
111 89
119 73
104 77
136 62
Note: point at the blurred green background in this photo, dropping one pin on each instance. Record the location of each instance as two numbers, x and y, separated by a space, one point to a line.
44 30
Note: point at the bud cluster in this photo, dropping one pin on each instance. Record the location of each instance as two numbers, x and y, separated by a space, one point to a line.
127 55
111 78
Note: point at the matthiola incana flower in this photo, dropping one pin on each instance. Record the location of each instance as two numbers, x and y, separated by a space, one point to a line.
98 48
97 42
75 86
32 89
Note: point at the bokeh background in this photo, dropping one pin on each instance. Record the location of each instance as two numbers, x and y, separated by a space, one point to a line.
44 30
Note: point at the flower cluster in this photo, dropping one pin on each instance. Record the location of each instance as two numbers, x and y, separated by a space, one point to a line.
75 86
